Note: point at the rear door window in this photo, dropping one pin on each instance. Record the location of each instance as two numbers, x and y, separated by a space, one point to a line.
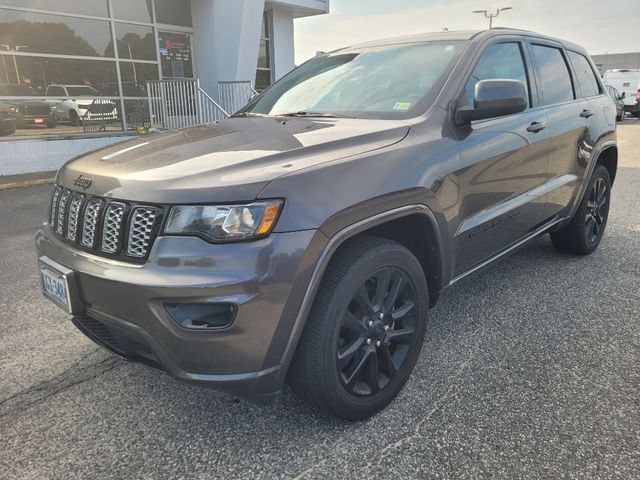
499 61
587 81
553 74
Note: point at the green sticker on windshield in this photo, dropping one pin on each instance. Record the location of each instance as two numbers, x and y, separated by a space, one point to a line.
402 106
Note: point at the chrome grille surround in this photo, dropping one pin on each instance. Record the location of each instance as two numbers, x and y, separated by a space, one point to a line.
54 206
90 222
75 208
111 228
140 230
62 211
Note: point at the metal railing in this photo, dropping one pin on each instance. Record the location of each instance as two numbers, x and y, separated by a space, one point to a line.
234 95
181 103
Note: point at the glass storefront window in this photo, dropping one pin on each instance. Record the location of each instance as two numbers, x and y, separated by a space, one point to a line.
174 12
138 10
96 8
175 55
39 72
135 42
135 77
41 33
263 70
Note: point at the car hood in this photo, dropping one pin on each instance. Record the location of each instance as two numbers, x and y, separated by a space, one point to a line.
227 162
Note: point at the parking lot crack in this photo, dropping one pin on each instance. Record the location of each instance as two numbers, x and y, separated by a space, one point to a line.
71 377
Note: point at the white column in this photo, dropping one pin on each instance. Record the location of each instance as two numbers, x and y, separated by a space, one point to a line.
282 42
226 38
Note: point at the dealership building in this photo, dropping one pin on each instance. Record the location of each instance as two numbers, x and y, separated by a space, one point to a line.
117 46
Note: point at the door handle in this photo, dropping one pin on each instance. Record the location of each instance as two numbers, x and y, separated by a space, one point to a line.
586 113
535 127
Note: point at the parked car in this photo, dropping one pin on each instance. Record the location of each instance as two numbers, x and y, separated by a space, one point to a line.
7 120
77 103
28 112
618 101
306 237
627 82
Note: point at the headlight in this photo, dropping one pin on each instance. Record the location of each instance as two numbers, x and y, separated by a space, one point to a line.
224 222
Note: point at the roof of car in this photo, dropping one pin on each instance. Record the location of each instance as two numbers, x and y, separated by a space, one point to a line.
452 35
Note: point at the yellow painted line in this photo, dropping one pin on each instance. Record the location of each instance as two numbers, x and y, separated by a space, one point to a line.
26 183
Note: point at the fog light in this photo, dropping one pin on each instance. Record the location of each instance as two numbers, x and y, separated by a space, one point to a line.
201 316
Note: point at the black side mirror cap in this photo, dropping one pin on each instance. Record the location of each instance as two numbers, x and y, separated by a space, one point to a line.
623 95
494 98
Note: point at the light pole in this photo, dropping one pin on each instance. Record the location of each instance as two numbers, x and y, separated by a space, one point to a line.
491 15
15 64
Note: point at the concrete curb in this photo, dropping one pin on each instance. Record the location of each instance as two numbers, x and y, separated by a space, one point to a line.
26 183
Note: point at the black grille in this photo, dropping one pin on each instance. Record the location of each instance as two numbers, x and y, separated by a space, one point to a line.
110 228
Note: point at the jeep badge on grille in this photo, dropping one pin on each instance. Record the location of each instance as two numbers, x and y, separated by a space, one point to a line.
82 182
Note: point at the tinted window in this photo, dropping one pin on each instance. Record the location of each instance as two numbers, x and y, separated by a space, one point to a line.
500 61
584 74
173 12
56 91
553 75
96 8
36 32
139 10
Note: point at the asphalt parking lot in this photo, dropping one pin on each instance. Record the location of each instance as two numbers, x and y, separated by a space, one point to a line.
531 369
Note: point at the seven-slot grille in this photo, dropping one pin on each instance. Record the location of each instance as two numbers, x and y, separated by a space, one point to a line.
104 226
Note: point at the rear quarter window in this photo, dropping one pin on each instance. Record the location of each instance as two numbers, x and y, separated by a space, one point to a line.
585 77
553 74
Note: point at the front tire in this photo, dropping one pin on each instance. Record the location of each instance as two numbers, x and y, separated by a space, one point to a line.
582 235
365 330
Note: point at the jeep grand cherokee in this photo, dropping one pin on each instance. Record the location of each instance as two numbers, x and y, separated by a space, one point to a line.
306 238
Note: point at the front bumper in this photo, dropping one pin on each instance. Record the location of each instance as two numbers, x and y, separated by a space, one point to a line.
122 305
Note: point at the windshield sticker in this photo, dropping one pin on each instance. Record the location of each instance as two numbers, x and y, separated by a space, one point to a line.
404 106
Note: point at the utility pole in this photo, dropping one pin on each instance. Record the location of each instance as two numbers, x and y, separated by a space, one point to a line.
491 15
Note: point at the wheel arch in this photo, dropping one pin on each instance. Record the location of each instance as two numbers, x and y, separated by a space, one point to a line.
608 158
397 225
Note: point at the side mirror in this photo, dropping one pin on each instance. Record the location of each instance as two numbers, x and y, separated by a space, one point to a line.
623 95
494 98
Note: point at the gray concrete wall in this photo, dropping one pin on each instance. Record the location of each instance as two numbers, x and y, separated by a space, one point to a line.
612 61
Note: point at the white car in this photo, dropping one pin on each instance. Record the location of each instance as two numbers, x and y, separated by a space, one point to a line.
77 103
627 82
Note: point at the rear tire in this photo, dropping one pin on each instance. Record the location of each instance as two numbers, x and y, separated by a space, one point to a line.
74 119
365 330
582 235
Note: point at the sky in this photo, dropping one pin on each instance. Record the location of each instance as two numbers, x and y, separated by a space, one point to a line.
601 26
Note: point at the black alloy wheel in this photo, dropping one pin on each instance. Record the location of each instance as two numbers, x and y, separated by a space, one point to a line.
583 233
376 332
365 330
597 211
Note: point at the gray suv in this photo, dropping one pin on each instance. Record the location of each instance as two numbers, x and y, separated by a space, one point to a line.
306 238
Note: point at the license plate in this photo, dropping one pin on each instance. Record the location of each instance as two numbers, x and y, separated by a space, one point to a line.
55 286
38 120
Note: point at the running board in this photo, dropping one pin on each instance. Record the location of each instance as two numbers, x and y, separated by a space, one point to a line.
513 247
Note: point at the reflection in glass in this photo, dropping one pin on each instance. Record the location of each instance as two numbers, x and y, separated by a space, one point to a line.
135 42
138 10
97 8
40 33
135 77
263 54
173 12
175 55
39 72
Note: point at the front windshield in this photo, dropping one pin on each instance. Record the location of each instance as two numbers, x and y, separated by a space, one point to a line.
80 91
397 81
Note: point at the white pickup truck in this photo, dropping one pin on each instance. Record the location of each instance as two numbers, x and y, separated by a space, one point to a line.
627 82
76 103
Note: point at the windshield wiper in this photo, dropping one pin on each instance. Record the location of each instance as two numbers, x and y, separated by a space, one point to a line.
249 114
312 114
